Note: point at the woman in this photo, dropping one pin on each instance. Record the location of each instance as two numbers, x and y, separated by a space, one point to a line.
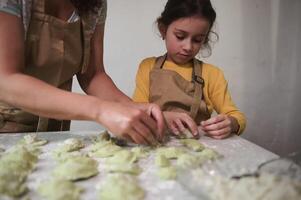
43 43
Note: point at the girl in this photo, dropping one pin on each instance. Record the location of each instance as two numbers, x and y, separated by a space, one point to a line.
186 89
43 44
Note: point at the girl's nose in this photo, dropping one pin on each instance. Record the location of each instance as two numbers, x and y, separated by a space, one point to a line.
187 45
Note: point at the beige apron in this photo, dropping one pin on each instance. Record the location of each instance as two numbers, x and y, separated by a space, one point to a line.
172 92
55 52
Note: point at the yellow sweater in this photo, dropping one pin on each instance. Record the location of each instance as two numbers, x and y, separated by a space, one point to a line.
215 91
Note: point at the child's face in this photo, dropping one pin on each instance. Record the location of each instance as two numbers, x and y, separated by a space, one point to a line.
184 38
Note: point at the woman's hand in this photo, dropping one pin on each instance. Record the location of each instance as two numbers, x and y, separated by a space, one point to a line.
177 122
134 123
220 126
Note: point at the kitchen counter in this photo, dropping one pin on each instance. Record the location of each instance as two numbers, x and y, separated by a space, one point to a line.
236 151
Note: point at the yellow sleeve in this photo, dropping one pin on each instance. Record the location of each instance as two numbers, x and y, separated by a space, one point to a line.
222 101
141 93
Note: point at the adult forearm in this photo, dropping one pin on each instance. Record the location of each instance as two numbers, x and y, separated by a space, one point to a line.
39 98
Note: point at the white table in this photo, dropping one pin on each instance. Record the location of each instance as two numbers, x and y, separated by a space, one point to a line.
236 150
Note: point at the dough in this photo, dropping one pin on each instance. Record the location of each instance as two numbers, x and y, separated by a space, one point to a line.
187 161
77 168
102 137
120 186
123 157
161 161
264 187
141 152
133 169
72 144
104 150
59 189
170 152
15 165
19 159
192 144
69 145
167 173
62 157
208 154
11 183
32 139
186 134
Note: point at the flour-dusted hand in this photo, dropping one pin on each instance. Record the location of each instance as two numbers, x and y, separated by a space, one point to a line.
141 124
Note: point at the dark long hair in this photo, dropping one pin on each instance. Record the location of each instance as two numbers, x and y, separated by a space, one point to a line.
87 6
176 9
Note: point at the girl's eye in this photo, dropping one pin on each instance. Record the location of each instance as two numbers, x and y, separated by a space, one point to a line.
180 37
198 40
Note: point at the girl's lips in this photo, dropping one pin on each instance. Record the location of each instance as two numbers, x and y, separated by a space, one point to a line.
184 56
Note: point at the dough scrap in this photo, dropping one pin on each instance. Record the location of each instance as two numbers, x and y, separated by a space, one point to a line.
69 145
59 189
102 137
186 134
208 154
266 186
188 160
77 168
120 186
12 184
167 173
161 161
170 152
133 169
104 150
141 152
33 140
15 165
192 144
123 157
72 144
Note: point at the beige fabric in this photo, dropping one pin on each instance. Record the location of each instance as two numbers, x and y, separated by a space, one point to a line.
172 92
55 51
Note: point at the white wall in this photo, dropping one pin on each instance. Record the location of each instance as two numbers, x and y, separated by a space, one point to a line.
259 51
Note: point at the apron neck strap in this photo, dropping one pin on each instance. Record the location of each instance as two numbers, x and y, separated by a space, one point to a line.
38 6
197 72
87 32
160 61
199 84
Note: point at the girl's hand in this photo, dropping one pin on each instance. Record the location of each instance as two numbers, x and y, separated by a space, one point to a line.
220 126
177 122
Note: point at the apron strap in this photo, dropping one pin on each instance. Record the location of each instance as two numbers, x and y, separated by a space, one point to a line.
199 84
42 124
38 6
87 31
160 61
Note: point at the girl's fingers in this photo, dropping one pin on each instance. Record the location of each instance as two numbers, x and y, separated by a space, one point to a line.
180 125
174 129
221 136
218 126
220 132
213 120
191 126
